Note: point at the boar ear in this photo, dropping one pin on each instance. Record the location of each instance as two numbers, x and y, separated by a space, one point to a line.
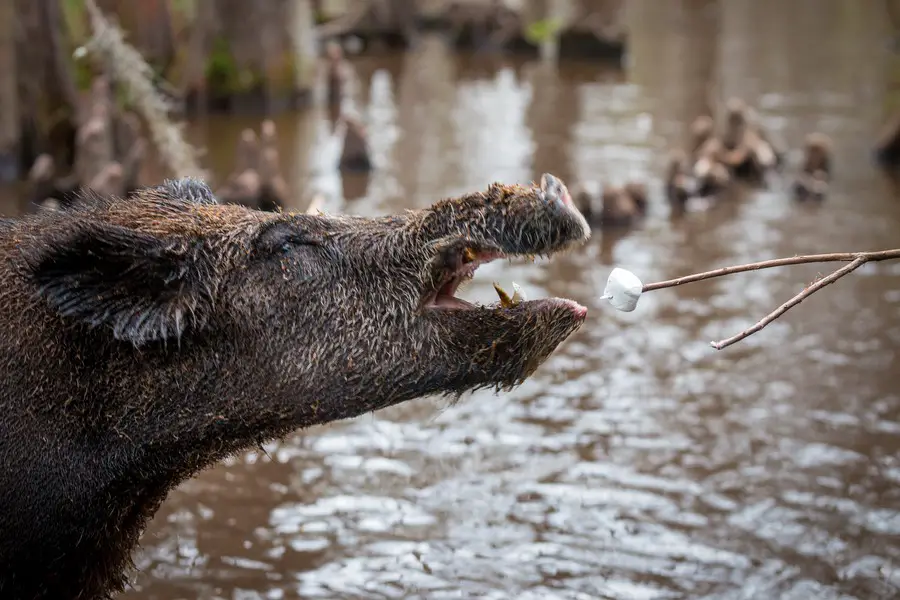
144 287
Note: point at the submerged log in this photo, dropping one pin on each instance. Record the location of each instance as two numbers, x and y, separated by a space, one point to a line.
622 206
746 152
743 150
679 184
355 151
887 145
815 172
702 129
583 195
709 171
619 206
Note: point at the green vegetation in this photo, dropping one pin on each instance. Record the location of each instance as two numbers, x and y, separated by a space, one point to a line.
224 76
75 18
541 31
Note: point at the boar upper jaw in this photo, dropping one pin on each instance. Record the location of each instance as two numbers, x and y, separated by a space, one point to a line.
460 257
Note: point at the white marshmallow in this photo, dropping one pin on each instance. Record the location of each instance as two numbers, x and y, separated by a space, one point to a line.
623 290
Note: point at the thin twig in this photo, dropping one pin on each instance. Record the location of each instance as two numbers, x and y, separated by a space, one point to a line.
779 262
856 260
790 303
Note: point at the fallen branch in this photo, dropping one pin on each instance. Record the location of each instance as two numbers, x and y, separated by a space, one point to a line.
855 260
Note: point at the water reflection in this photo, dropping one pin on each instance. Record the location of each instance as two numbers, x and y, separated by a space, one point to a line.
637 463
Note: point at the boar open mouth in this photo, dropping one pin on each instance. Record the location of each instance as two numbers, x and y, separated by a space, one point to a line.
445 295
565 226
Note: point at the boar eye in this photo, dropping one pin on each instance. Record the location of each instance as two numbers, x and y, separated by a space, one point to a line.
289 243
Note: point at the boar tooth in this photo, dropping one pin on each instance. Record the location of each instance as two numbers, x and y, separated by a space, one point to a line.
470 255
505 300
518 295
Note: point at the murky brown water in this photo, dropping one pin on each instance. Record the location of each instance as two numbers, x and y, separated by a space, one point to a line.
637 463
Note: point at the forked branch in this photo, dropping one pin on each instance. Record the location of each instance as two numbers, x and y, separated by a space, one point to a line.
855 260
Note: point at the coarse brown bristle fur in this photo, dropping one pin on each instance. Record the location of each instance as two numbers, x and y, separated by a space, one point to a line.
148 337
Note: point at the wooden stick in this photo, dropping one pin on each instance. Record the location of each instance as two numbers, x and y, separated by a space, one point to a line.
855 260
790 304
778 262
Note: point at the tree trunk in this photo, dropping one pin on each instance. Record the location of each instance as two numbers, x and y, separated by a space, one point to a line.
192 57
10 131
47 90
303 38
252 63
55 27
